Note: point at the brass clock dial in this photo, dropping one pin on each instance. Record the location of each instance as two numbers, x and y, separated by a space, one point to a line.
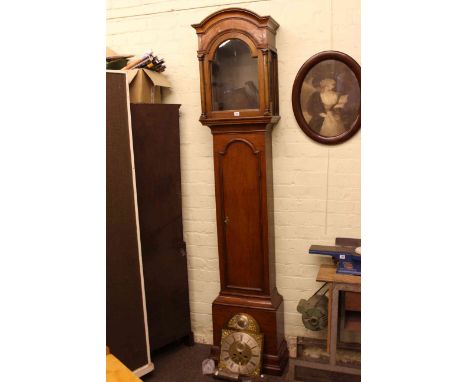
241 352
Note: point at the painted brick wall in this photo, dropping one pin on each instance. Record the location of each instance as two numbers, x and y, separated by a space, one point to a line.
316 187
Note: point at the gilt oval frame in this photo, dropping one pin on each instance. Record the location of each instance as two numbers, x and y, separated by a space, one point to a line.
312 62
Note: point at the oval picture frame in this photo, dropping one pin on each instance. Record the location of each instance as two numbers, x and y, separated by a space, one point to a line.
326 97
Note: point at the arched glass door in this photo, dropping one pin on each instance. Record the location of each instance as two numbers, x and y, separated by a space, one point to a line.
234 76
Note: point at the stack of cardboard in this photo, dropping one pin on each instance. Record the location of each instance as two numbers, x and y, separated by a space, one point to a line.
116 61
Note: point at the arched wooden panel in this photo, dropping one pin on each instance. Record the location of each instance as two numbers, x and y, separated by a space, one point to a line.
240 176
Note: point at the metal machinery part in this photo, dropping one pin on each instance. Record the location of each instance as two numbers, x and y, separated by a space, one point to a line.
315 310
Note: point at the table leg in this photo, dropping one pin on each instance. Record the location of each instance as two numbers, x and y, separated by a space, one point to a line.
334 325
330 303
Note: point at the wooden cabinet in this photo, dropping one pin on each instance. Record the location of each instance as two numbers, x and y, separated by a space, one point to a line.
239 99
157 167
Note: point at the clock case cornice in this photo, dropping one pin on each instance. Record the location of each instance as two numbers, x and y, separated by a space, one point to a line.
241 13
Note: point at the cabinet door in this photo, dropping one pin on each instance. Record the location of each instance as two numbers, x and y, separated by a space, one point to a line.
157 166
126 329
241 202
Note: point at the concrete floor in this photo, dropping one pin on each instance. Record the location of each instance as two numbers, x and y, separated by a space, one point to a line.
180 363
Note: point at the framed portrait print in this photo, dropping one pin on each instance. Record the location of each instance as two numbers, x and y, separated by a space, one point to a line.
326 97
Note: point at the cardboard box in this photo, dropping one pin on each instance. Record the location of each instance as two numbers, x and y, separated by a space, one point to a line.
145 85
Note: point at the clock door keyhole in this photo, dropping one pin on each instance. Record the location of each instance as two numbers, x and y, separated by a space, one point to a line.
226 220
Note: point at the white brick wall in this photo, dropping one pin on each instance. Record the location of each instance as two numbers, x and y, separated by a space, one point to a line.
316 187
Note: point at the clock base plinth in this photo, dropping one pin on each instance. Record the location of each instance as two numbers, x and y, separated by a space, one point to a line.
268 312
275 364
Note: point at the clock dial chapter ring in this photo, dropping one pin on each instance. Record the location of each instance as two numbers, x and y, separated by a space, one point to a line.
240 352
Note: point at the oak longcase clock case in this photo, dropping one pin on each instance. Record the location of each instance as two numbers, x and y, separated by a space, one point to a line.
239 100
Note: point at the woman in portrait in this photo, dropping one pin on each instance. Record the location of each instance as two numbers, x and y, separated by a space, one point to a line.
326 107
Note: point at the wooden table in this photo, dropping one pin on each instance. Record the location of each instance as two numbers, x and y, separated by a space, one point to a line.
336 371
337 282
116 371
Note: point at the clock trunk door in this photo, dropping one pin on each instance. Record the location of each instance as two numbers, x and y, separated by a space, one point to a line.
241 216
